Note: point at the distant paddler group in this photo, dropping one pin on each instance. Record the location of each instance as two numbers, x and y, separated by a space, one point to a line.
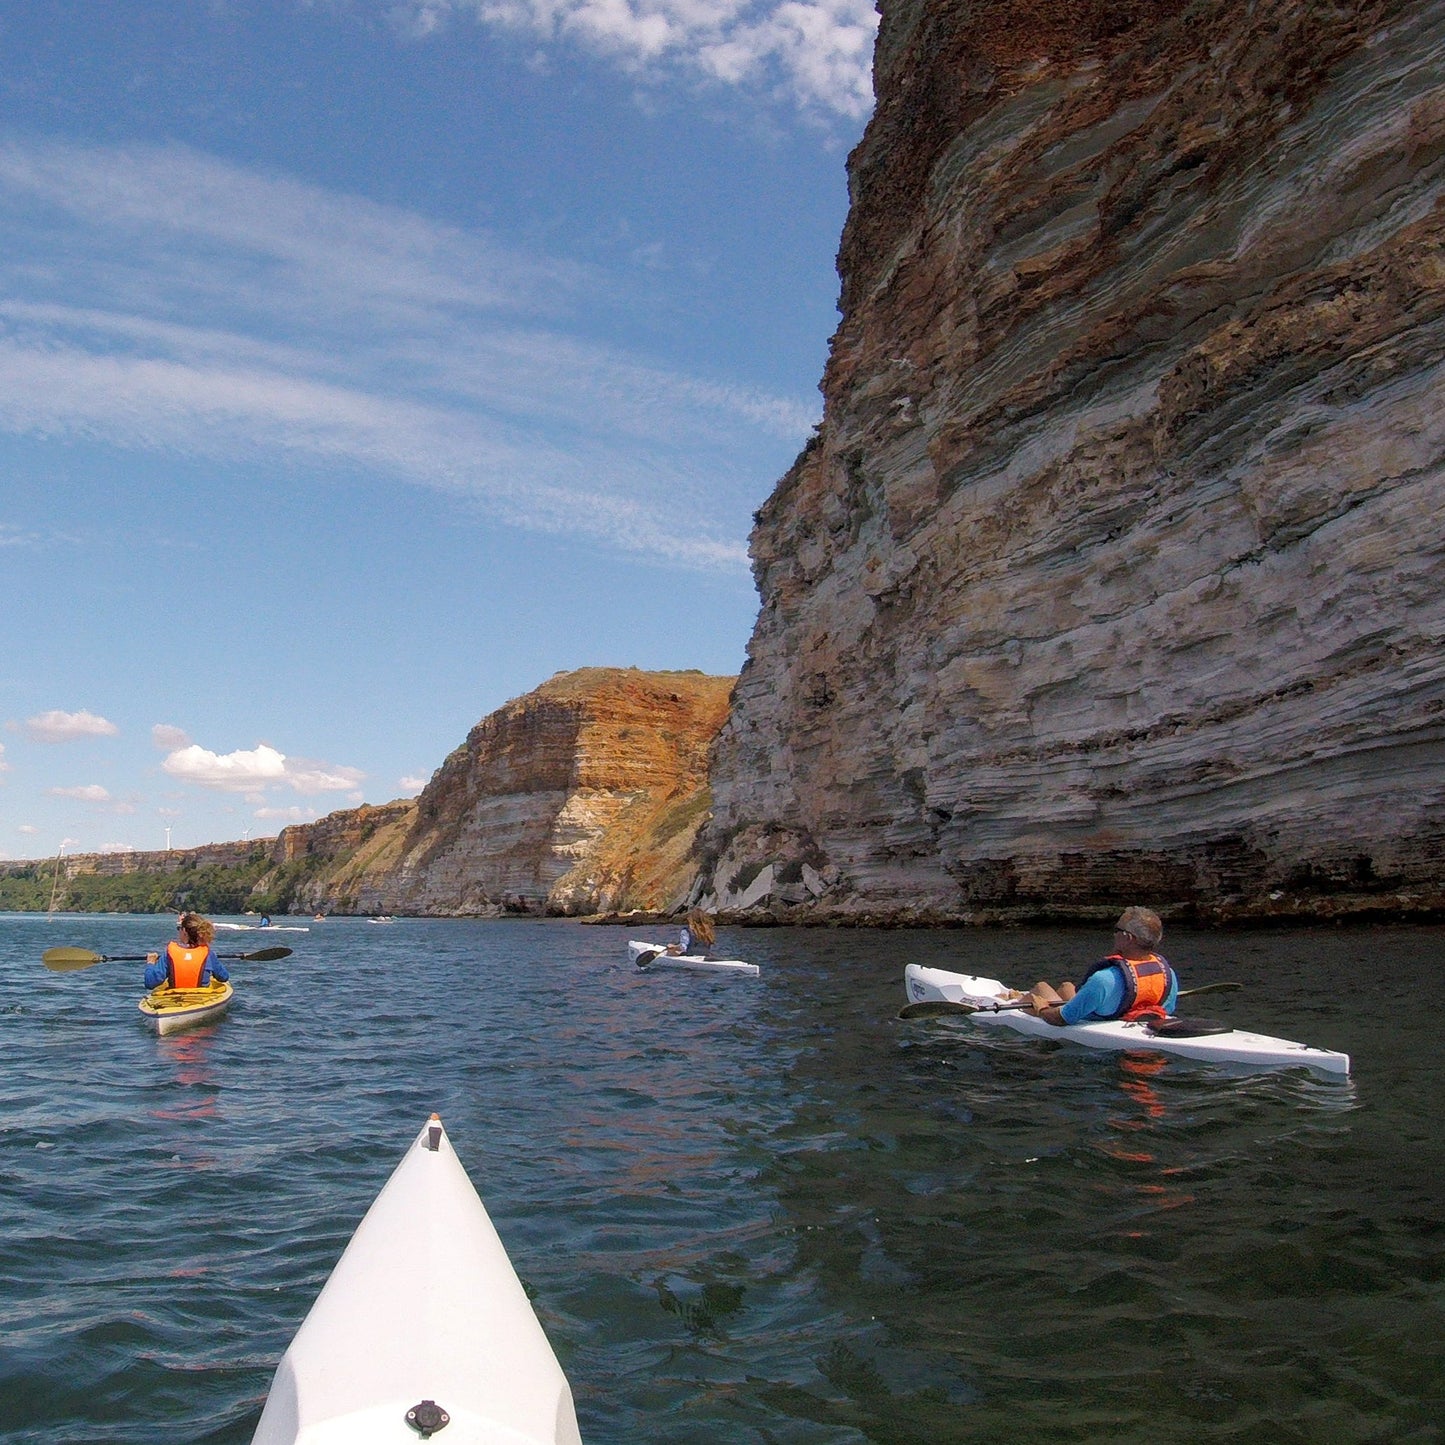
186 981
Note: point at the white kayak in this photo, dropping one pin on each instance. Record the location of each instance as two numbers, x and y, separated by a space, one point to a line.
422 1326
1230 1046
655 955
262 928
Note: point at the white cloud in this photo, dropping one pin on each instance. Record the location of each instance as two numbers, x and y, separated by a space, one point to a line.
262 767
287 815
87 793
818 54
169 738
158 299
62 727
4 766
412 785
29 829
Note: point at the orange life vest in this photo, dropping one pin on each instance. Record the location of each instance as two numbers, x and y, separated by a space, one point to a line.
1146 984
184 966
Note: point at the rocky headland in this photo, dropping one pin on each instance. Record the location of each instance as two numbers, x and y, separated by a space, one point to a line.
582 797
1114 570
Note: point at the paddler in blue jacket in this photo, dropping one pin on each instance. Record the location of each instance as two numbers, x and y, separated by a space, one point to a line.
187 960
1135 981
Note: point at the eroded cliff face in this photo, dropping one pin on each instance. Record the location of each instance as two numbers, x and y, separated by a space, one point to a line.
581 797
1114 571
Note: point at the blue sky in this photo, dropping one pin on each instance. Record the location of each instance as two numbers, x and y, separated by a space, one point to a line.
363 363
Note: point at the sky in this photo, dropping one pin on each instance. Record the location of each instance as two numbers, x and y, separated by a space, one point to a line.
364 363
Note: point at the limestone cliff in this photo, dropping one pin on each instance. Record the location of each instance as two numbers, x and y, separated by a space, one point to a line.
583 796
1114 570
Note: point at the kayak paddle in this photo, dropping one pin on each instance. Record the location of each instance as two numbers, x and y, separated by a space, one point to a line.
68 960
934 1007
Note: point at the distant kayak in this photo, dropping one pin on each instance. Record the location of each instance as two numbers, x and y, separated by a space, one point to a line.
171 1009
422 1325
1211 1043
263 927
655 955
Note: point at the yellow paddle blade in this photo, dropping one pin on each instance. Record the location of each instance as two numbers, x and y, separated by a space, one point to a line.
67 960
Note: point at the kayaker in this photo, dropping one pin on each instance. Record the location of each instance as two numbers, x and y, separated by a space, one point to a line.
187 961
696 930
1134 981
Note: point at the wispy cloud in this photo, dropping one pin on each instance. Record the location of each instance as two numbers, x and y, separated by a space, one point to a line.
249 770
168 738
817 54
159 299
87 793
286 815
63 727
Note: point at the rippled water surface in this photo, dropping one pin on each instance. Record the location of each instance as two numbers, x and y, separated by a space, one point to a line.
746 1210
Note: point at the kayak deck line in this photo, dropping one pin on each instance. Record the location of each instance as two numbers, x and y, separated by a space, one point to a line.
422 1326
1207 1044
648 956
170 1009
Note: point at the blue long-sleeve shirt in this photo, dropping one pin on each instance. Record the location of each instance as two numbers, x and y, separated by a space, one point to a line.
1101 996
158 972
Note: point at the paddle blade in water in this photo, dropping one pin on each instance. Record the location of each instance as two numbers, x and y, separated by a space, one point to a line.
932 1008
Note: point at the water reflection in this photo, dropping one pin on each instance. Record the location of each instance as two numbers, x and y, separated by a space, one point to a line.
189 1055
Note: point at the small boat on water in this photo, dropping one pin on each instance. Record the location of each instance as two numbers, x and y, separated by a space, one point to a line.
1211 1043
262 927
423 1325
655 955
171 1009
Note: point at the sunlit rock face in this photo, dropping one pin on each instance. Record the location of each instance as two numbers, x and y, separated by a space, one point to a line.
583 796
1115 568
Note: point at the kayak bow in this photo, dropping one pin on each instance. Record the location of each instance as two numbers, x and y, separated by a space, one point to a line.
422 1324
1229 1046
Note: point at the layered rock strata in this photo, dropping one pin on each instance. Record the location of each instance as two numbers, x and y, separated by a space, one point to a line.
1114 570
581 797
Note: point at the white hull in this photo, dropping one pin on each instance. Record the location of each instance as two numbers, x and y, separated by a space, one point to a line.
423 1306
262 927
1234 1047
638 952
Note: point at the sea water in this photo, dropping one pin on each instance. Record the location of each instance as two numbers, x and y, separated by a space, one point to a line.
751 1210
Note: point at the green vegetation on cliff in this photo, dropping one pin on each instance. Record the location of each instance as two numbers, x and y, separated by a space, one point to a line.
257 884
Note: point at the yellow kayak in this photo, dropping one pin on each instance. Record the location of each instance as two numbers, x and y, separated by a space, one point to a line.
170 1008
